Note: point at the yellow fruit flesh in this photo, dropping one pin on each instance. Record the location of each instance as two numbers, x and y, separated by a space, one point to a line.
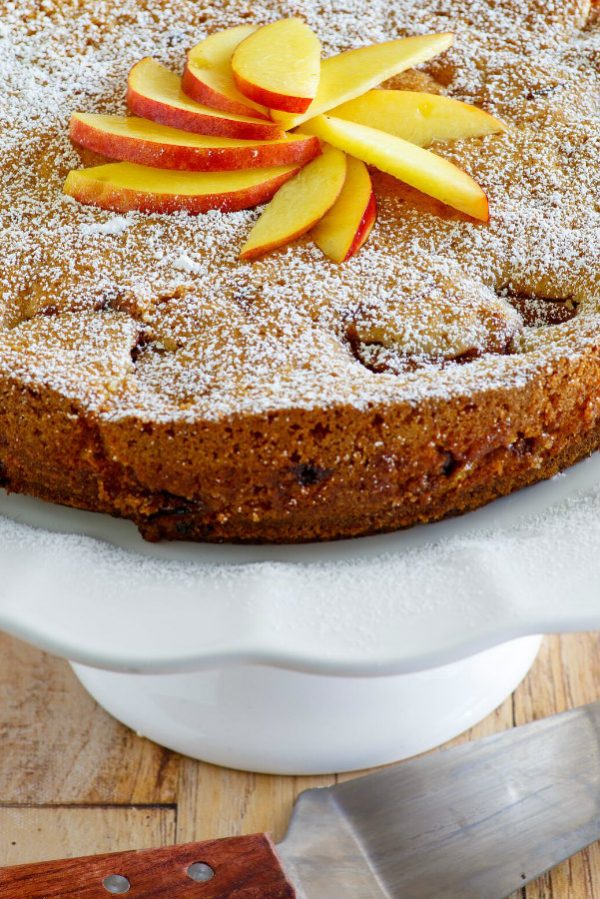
218 48
350 74
143 129
210 61
283 58
337 229
142 179
299 204
419 117
151 79
420 168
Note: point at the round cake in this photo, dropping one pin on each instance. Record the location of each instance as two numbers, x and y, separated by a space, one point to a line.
146 371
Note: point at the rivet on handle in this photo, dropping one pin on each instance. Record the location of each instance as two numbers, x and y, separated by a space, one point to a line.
116 884
200 872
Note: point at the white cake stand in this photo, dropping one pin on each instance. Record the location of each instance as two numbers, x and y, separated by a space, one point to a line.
309 659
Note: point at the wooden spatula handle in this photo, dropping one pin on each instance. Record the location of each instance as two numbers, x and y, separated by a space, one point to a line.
244 868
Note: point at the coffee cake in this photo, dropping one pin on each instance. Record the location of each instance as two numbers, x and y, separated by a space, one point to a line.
147 372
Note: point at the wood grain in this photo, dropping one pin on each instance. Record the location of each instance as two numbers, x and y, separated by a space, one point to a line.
59 746
34 834
65 763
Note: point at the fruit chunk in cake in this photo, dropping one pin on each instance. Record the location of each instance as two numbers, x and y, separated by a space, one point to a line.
207 77
295 209
132 139
124 186
279 65
345 227
154 92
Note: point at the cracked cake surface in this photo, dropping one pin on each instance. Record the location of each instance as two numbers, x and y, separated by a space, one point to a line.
146 371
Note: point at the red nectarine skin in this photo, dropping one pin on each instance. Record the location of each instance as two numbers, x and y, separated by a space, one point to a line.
154 92
364 229
179 157
208 76
203 93
278 65
343 229
106 196
270 99
199 123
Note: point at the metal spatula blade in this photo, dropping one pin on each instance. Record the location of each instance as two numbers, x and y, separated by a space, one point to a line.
475 822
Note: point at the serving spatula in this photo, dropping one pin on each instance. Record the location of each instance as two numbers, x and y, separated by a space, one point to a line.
474 822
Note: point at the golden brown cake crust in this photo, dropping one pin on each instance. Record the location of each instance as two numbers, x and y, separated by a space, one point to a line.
146 372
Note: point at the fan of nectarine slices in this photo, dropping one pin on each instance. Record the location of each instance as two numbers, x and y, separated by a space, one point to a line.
224 136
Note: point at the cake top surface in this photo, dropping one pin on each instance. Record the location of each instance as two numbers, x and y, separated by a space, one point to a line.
155 316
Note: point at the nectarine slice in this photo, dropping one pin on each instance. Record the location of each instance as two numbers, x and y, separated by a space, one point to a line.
420 168
344 229
154 92
354 72
295 209
279 65
131 139
207 77
419 117
124 186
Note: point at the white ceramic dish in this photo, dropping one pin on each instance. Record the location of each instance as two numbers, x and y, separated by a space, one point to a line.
311 658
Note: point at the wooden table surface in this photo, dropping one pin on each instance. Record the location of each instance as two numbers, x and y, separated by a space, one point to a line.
73 781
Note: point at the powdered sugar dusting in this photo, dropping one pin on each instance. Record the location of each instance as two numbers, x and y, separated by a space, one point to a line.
183 263
223 336
114 225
